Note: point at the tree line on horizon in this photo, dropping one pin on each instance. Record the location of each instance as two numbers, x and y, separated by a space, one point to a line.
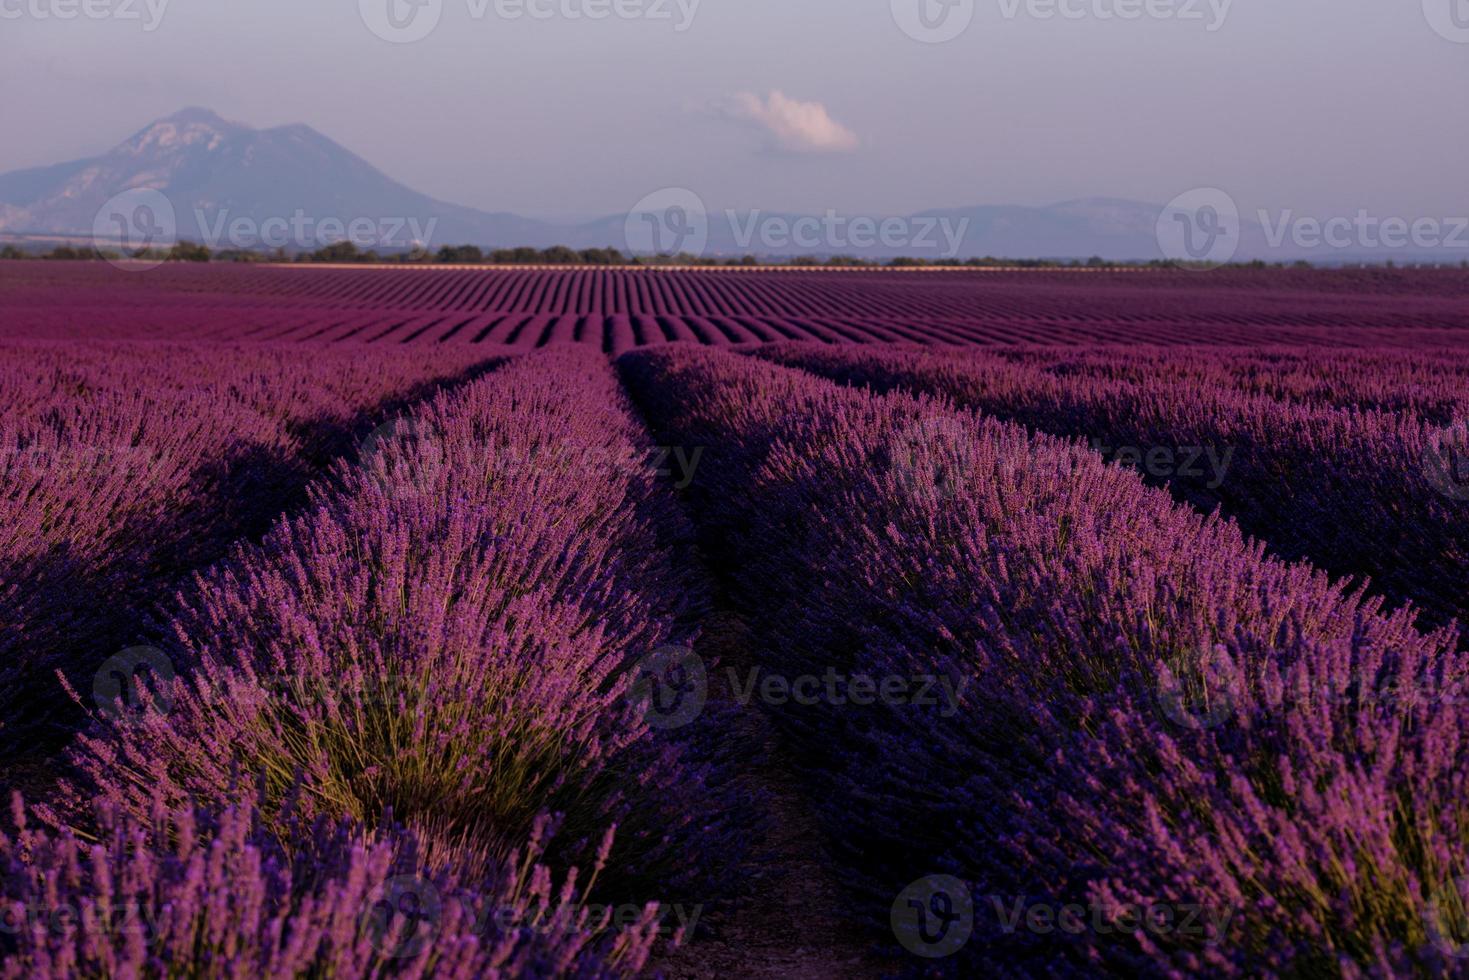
347 252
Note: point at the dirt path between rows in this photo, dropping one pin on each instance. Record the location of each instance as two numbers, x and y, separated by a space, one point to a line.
792 916
790 921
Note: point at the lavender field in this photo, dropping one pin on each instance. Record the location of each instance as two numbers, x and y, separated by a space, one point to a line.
631 622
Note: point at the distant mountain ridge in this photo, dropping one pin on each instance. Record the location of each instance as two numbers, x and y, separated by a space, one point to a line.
218 175
207 165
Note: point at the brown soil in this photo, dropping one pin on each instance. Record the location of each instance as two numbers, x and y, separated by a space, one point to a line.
790 921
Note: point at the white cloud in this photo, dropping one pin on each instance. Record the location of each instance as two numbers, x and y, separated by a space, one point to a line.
803 127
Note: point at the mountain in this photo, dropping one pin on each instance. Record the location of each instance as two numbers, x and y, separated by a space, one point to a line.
230 185
211 169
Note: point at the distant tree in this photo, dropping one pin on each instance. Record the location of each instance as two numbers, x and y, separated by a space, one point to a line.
461 254
560 255
601 256
189 252
11 252
345 251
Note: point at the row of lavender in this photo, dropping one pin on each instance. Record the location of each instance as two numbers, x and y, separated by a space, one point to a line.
1431 384
125 466
616 309
1373 494
1167 753
362 744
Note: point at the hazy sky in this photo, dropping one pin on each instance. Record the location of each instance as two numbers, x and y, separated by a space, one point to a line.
1324 106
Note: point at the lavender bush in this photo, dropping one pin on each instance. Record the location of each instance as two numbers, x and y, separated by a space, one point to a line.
1161 716
215 894
1432 383
125 466
1350 490
447 632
